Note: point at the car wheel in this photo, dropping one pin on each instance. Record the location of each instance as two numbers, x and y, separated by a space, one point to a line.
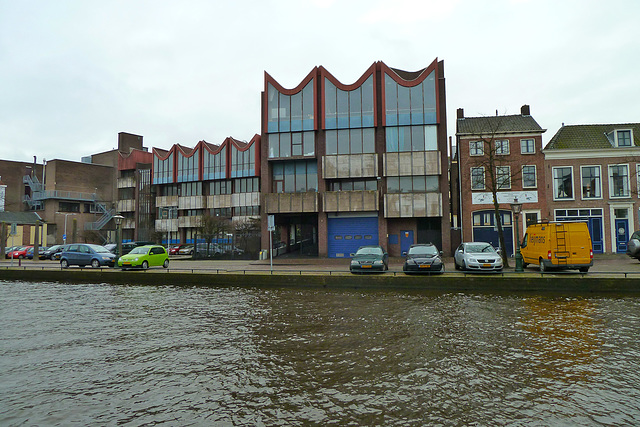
542 266
95 263
166 263
463 266
145 265
64 263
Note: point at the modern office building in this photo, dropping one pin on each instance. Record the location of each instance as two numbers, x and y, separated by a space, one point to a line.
346 165
220 181
593 172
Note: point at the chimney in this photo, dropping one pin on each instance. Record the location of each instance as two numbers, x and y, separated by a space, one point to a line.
461 113
525 111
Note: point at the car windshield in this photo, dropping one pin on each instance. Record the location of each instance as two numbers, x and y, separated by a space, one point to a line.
99 249
423 250
139 250
369 251
480 248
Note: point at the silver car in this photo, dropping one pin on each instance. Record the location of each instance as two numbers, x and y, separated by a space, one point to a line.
477 256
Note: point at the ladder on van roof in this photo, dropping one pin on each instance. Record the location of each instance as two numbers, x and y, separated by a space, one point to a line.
561 242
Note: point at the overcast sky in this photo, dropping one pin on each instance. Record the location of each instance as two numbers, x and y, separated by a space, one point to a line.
74 73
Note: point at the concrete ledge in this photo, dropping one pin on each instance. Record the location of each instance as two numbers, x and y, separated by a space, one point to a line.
451 282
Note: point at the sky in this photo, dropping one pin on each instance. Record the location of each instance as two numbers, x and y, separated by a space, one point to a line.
75 73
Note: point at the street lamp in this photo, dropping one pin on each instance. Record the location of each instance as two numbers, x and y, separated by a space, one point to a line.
118 220
516 208
64 236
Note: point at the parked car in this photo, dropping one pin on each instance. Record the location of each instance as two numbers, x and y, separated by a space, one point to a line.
9 249
41 251
478 256
144 257
48 253
633 246
558 245
128 246
186 250
111 247
369 258
423 258
19 252
86 254
175 249
56 255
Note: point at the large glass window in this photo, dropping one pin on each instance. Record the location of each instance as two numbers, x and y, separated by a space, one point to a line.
413 184
214 166
562 183
529 179
591 182
187 167
287 113
220 187
619 180
410 105
163 170
291 144
243 163
246 185
191 189
411 138
348 109
350 141
477 178
353 185
295 176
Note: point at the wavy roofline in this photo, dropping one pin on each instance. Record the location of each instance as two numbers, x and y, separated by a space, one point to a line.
423 74
269 79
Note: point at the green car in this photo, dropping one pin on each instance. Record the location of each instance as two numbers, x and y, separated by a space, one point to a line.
144 257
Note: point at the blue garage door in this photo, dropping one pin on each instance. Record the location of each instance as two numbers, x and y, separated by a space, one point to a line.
346 235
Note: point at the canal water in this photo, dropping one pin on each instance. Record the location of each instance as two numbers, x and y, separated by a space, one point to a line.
139 355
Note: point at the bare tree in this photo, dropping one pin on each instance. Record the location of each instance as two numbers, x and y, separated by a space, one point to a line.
493 168
212 227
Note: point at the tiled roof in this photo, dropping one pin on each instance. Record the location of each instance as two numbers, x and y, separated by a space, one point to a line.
589 137
19 217
497 124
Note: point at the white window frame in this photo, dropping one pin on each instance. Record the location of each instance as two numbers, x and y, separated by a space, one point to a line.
581 176
477 146
499 179
534 146
535 173
553 184
500 145
615 135
627 183
483 179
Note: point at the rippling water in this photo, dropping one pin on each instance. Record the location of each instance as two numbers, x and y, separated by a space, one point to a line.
134 355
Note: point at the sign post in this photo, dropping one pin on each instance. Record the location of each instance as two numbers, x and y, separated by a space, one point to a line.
271 226
13 232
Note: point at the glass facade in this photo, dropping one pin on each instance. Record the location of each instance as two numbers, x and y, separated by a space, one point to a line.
243 163
348 109
291 144
413 184
290 113
214 166
410 105
350 141
412 138
163 170
188 167
295 176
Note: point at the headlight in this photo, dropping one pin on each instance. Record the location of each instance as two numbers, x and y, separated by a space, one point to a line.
411 261
354 262
135 259
437 261
378 261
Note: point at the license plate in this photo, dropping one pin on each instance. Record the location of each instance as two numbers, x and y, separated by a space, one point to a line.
126 263
486 265
425 265
365 266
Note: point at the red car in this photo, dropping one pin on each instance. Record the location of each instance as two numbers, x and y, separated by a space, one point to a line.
174 250
19 253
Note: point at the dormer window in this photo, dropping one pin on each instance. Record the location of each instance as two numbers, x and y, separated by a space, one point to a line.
623 138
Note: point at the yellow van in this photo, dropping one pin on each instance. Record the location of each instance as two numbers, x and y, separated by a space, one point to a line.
562 245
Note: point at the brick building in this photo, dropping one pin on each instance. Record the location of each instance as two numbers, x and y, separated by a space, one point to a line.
501 153
593 173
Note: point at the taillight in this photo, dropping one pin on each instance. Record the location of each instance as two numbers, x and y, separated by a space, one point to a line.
591 254
549 255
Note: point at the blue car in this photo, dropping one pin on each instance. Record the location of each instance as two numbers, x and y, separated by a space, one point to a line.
86 254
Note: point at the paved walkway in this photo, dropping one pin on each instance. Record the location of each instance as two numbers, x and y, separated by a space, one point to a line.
602 263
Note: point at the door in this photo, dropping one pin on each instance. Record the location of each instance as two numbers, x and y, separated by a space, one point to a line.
346 235
406 240
595 229
622 235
